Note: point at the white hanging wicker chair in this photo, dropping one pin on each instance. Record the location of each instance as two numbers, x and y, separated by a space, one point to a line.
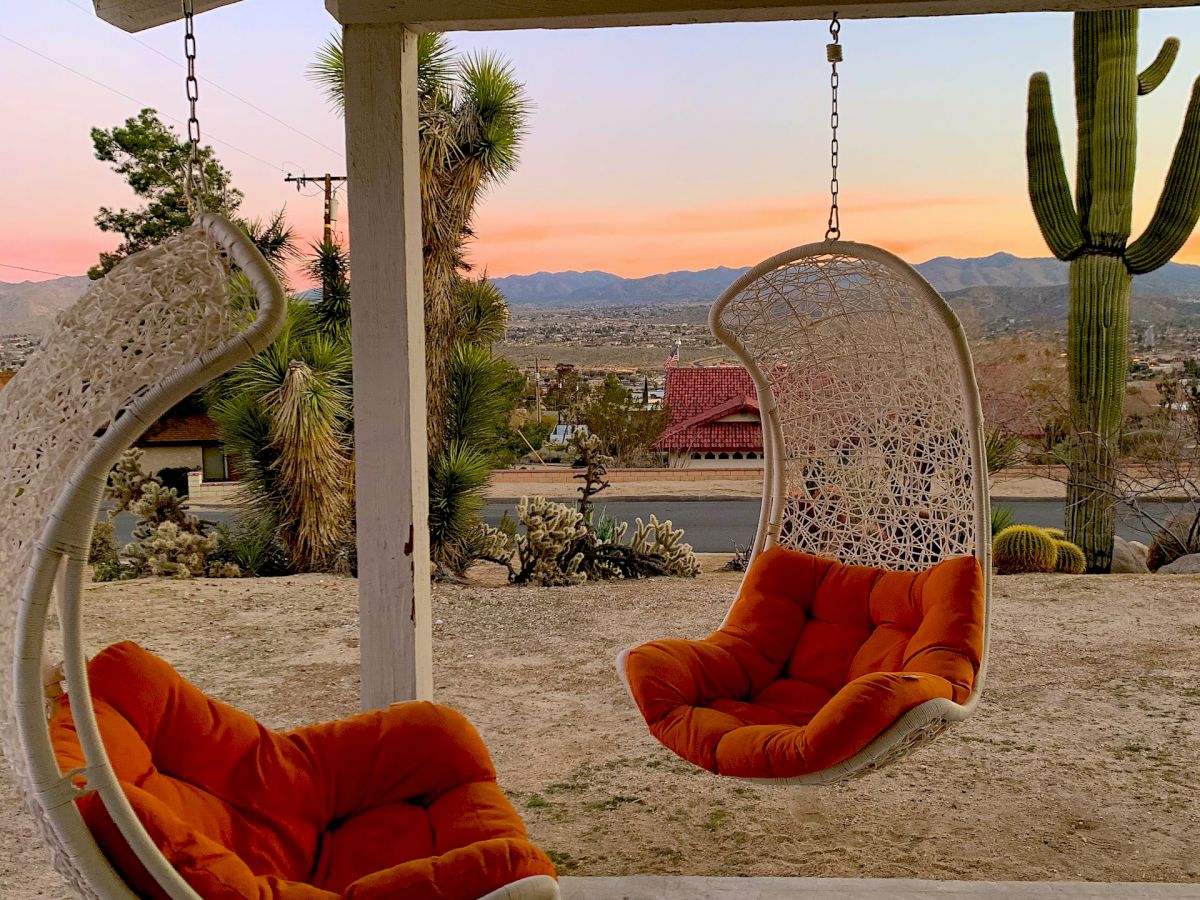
158 327
872 430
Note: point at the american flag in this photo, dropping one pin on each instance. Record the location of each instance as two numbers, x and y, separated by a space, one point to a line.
673 358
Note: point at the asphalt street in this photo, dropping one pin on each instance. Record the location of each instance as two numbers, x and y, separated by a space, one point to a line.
714 526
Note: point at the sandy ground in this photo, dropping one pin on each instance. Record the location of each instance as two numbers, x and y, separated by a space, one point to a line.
677 485
1082 762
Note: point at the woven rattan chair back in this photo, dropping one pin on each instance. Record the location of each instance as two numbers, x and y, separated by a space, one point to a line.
159 326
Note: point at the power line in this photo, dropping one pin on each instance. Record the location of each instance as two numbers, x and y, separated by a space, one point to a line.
210 82
39 271
120 93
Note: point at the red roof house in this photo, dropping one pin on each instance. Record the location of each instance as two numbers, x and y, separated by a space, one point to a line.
714 416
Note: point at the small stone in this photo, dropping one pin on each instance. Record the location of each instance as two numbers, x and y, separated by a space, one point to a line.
1185 565
1126 560
1140 548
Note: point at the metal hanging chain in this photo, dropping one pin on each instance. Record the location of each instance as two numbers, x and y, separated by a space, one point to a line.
833 53
195 186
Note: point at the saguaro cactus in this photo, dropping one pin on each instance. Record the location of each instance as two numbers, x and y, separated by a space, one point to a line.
1093 234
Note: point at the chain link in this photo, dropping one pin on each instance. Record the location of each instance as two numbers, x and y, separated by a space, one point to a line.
833 53
195 185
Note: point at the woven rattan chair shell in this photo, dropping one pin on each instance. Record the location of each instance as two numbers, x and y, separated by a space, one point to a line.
157 328
872 431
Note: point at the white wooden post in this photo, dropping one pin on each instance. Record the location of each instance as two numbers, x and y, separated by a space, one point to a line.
389 363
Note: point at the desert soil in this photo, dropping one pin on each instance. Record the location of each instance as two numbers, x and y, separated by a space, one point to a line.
1081 763
679 483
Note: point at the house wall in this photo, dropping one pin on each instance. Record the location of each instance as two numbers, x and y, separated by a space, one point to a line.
155 457
212 493
685 461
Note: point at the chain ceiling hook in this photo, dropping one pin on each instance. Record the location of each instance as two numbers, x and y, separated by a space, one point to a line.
833 53
195 186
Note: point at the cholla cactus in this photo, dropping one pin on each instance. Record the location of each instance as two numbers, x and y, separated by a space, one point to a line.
168 542
159 503
169 551
127 481
547 553
660 539
493 545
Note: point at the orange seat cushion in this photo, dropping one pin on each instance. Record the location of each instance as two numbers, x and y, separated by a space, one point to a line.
398 802
815 660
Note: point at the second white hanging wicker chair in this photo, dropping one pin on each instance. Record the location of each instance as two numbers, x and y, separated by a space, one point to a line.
874 458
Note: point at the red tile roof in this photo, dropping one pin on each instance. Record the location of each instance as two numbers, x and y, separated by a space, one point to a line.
697 397
188 428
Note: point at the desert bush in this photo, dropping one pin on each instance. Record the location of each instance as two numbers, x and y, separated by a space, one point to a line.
1023 548
252 544
740 561
1002 517
1003 450
1179 536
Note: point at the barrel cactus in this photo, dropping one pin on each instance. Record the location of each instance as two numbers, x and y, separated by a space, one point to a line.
1057 533
1092 231
1024 548
1070 560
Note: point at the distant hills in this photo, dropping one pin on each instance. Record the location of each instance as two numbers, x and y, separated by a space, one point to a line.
998 287
1001 270
28 306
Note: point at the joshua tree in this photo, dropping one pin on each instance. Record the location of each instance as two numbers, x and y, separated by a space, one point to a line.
284 416
1093 234
472 120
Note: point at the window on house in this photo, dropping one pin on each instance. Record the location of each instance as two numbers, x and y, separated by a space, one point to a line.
737 455
696 456
710 455
216 465
723 456
751 455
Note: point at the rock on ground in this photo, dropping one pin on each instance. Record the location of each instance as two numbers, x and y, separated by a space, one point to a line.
1126 560
1185 565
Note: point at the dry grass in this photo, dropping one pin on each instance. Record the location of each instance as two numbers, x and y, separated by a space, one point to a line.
1081 763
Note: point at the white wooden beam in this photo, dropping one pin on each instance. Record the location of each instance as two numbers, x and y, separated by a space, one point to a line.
485 15
138 15
389 364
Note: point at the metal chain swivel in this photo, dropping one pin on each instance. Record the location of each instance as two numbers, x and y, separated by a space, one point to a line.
833 53
195 186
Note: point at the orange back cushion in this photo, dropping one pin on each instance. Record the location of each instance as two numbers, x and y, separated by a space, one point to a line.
850 621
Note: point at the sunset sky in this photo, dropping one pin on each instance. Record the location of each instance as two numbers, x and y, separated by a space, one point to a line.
650 150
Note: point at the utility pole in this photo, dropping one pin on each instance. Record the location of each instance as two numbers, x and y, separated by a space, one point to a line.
327 180
537 387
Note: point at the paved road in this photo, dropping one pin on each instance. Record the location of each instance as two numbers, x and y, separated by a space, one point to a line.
714 526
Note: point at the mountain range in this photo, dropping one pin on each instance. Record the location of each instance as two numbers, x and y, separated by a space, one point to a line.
948 275
28 306
998 287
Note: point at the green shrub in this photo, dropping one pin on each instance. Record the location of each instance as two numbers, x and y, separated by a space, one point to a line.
253 546
1002 517
1071 560
103 550
1023 548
